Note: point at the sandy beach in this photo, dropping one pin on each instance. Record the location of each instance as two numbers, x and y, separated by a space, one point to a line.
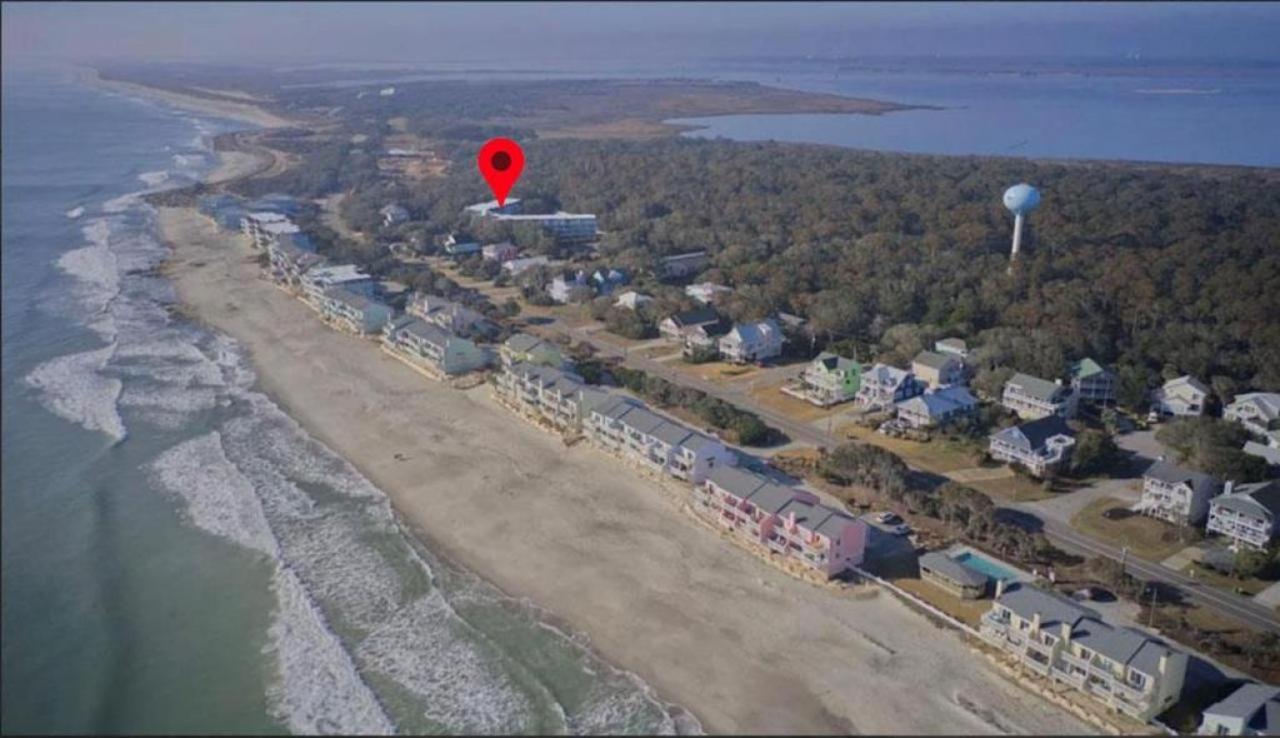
744 646
224 108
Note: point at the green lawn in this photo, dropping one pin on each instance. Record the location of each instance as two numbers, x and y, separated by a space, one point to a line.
1148 538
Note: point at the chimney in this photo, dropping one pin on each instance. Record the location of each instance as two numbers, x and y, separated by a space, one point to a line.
1226 488
1066 632
999 588
1035 622
1164 663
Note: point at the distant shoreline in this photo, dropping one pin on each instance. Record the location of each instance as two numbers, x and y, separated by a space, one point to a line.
241 111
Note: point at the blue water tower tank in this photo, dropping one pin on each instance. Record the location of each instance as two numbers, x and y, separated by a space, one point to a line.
1021 198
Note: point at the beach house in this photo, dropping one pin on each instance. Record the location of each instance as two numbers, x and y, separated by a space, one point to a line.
1032 398
320 278
522 347
1040 445
1258 412
515 267
827 380
457 246
262 227
1252 709
631 300
1176 495
747 342
451 316
1121 669
937 369
937 408
675 326
707 293
683 265
393 215
1092 382
1183 396
785 520
954 346
566 228
500 252
353 312
432 348
1246 514
882 386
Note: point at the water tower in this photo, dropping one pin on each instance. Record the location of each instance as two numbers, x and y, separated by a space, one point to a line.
1021 199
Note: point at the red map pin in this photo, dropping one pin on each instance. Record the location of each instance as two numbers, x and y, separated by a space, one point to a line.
501 162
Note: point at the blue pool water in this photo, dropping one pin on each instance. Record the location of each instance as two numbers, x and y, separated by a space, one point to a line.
984 566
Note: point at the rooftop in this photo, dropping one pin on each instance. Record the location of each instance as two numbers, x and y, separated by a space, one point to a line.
952 569
933 359
1041 389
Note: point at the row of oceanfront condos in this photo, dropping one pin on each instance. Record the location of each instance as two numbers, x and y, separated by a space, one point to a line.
533 378
1121 669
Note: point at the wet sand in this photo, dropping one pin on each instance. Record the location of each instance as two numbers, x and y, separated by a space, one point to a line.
745 647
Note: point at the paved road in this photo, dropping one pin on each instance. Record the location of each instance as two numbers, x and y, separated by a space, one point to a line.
1057 532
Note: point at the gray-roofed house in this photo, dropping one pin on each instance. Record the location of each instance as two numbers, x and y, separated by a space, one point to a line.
1184 396
393 214
1258 412
752 341
1269 454
431 348
451 316
953 346
1246 513
882 386
683 265
1122 669
627 427
353 312
1040 445
1253 709
937 408
1032 398
675 326
1179 496
292 255
551 395
937 369
953 577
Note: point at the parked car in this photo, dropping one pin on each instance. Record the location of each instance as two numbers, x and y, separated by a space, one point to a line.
889 518
1093 594
902 529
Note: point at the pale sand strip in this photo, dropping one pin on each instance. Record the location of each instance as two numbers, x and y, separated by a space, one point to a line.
744 646
242 111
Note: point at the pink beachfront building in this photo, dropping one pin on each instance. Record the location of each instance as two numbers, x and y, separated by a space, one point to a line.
786 520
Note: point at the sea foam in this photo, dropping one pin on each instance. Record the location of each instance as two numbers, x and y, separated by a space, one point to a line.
73 388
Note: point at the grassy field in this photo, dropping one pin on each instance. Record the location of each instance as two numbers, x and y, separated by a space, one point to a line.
1251 586
770 395
1145 537
966 611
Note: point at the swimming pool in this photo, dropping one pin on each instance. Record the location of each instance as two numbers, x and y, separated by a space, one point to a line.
983 565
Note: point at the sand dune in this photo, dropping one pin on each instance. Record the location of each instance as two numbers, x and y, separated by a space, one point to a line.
744 646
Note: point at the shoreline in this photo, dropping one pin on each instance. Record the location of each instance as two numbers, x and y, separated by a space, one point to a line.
244 112
743 647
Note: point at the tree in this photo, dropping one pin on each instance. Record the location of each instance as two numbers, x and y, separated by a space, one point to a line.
1250 562
1093 453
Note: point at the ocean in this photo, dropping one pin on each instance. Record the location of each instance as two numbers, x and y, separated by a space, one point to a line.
178 554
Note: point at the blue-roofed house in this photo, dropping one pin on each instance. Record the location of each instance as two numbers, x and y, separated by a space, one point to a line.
1253 709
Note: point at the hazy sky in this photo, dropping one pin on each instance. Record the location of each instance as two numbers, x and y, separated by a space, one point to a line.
548 32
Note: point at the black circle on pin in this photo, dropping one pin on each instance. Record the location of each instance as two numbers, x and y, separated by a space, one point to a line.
501 161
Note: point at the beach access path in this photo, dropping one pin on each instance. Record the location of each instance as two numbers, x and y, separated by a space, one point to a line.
745 647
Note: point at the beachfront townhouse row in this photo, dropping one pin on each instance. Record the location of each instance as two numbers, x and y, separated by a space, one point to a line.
1253 709
1247 514
786 520
626 427
522 347
353 312
431 348
263 228
1122 669
1032 398
1176 495
1258 412
316 280
1181 397
1041 445
553 395
566 228
882 386
290 257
